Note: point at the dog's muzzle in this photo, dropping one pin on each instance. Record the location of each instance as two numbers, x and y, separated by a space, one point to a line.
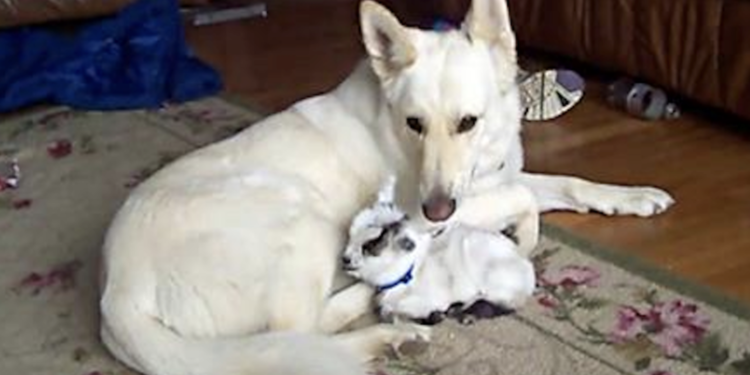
439 207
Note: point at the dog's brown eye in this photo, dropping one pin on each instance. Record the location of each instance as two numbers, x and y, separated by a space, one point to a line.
467 123
415 124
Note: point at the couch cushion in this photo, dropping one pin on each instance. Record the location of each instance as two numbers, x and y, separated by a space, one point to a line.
23 12
697 48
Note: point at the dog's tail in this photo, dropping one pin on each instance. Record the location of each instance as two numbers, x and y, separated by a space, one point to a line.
147 345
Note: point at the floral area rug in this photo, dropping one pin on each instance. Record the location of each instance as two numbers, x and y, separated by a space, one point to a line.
64 173
593 316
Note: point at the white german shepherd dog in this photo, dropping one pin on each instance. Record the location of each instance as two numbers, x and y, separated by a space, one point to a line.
223 263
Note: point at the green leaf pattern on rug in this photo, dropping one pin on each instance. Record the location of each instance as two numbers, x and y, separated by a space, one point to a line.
741 366
49 121
146 172
196 119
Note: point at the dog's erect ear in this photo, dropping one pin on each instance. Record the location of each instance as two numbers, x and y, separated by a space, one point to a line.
489 20
386 40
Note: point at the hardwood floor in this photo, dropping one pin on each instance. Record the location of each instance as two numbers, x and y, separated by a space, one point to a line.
304 48
705 165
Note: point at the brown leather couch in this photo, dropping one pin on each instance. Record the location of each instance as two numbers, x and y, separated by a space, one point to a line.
26 12
697 48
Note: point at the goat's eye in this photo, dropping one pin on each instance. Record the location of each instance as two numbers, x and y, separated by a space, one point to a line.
371 247
467 123
375 246
406 243
415 124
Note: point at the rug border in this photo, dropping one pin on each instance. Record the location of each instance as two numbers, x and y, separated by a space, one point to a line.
649 271
619 258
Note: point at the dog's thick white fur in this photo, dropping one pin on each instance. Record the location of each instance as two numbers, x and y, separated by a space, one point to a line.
223 262
417 272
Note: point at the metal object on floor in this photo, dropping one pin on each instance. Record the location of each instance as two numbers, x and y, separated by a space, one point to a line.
224 12
10 175
641 100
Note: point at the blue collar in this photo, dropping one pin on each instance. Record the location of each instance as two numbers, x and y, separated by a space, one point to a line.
402 280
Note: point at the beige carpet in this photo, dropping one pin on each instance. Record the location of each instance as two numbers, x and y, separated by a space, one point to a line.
596 312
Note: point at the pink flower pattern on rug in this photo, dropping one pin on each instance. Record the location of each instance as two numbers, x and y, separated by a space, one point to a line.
571 276
646 329
673 326
635 326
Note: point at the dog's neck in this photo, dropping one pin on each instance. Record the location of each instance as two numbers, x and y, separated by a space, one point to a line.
362 95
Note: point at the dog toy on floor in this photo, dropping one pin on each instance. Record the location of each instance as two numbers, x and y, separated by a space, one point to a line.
641 100
548 94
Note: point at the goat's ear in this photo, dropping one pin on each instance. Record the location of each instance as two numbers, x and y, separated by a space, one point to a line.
387 193
387 41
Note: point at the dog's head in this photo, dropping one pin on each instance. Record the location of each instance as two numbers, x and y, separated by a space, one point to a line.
452 95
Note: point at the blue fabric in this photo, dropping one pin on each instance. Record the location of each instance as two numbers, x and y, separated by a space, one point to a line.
137 58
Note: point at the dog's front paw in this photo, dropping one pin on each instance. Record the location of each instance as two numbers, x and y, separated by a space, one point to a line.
641 201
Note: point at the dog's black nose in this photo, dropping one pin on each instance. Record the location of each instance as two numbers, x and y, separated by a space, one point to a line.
439 207
346 261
